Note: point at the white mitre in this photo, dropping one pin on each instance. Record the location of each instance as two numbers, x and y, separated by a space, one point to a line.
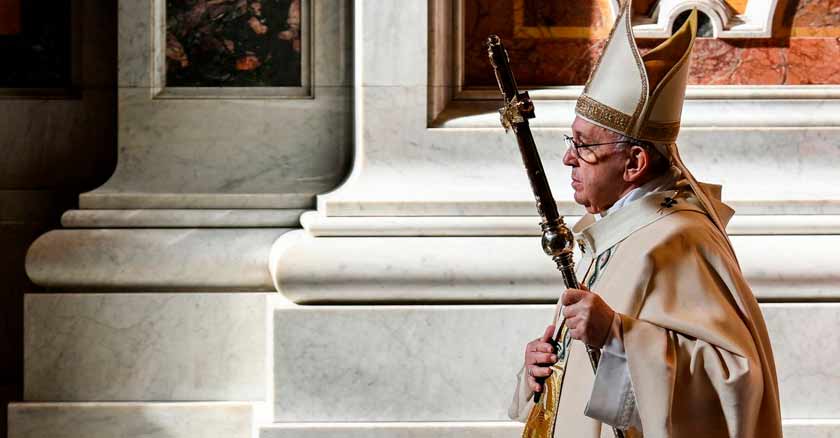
641 96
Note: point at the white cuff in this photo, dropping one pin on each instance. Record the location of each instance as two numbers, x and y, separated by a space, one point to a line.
613 400
523 398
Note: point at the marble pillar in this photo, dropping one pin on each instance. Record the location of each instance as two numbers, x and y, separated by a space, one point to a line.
156 318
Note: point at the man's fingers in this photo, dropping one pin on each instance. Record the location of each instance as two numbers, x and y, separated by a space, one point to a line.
543 347
579 334
546 358
549 332
536 375
572 296
538 372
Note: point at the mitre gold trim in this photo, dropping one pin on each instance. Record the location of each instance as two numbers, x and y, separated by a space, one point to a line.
603 115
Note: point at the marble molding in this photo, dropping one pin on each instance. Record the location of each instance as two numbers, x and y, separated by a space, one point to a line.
183 218
719 110
475 429
130 420
153 259
756 22
458 363
232 150
474 170
144 347
318 225
811 428
506 269
247 160
493 429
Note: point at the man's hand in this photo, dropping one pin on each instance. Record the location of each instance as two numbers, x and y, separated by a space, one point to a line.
587 315
539 357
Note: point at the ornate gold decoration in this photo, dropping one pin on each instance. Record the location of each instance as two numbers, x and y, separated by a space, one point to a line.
516 111
582 245
626 128
602 114
640 65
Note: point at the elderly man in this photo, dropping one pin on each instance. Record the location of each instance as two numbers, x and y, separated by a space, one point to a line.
685 351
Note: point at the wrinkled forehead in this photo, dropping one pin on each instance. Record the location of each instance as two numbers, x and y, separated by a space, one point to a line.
584 128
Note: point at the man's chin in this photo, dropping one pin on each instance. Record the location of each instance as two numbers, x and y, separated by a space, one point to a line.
580 200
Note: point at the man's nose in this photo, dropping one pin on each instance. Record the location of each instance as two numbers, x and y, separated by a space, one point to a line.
569 158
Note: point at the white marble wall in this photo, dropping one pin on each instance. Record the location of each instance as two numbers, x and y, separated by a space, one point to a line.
247 150
412 363
803 338
144 347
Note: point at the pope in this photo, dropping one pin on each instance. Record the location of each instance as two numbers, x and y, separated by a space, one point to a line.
685 350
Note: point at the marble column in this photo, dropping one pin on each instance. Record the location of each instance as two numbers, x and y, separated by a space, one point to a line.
156 317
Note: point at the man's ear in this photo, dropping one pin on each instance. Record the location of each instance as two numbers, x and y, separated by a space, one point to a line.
638 162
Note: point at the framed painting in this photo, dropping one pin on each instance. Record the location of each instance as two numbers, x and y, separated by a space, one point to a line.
236 48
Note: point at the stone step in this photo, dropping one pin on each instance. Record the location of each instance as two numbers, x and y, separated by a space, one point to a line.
458 363
131 420
493 429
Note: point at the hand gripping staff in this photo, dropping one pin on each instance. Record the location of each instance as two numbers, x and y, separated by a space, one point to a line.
557 240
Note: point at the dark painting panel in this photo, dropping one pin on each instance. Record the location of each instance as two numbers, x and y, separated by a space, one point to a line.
233 43
562 13
35 40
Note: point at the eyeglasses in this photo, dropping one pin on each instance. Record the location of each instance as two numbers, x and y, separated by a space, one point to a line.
582 151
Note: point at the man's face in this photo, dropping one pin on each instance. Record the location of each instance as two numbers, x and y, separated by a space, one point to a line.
599 181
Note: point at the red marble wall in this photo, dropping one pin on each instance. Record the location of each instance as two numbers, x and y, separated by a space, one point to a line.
549 46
